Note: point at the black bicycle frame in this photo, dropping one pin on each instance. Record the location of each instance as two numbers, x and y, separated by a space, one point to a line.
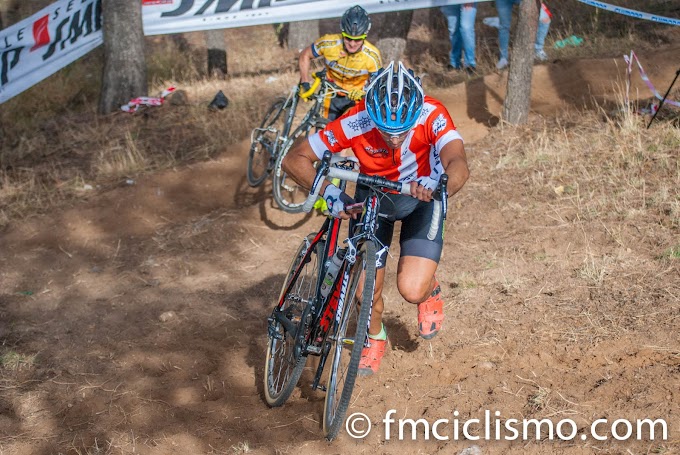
319 315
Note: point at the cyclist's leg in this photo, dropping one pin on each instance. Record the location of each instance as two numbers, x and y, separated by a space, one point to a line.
418 262
419 255
415 278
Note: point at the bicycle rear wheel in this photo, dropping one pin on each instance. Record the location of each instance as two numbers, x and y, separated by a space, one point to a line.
261 155
289 195
282 370
347 338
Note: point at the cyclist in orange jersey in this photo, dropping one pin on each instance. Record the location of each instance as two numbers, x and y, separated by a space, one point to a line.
398 133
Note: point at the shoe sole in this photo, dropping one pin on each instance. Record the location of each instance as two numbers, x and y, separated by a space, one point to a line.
429 336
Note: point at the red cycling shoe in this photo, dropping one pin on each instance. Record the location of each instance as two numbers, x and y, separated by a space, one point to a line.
431 313
371 356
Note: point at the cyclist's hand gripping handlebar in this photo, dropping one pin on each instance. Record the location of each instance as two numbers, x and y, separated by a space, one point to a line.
325 170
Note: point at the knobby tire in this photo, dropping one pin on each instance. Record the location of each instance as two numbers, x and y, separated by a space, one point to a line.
289 196
282 371
348 339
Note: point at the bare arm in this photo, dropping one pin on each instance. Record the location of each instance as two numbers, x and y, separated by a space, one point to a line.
455 165
304 62
299 164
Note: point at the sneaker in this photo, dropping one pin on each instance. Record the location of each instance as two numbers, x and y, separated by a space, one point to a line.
450 67
471 70
541 56
502 63
431 313
371 356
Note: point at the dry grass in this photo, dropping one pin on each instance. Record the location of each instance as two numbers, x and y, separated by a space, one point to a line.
600 164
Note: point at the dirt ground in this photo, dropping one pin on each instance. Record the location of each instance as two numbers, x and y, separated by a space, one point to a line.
139 315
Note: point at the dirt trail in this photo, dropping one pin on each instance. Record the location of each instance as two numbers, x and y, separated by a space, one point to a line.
145 308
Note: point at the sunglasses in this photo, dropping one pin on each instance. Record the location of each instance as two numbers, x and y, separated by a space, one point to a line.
353 38
394 136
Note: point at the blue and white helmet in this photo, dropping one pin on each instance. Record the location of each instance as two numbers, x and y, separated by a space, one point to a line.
394 99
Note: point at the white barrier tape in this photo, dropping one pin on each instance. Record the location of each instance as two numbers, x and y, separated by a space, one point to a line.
134 103
643 75
633 13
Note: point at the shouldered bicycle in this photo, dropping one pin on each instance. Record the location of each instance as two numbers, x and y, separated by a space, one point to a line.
325 303
270 142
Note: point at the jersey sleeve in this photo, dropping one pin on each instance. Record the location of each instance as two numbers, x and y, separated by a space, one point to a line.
335 137
440 128
439 131
322 44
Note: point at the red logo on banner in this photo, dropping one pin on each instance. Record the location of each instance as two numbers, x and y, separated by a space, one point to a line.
41 32
156 2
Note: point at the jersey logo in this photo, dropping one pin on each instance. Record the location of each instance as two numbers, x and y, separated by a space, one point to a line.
361 123
439 124
330 137
373 152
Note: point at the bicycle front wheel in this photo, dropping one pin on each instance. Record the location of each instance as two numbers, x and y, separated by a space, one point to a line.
348 337
282 366
289 196
261 155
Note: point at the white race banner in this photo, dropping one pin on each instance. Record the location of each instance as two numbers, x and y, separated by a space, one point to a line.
177 16
39 46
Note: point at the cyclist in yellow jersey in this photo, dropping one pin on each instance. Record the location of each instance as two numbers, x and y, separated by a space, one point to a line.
348 57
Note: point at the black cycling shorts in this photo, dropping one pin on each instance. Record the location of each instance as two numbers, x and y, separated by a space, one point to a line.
415 217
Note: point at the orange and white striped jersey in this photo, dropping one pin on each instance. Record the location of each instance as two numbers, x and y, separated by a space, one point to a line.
417 157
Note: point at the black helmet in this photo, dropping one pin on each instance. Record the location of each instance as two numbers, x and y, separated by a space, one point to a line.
355 21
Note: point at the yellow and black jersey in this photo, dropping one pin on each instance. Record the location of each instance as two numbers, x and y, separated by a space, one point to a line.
349 71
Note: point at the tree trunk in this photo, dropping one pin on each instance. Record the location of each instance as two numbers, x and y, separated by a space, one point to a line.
4 14
124 75
217 53
302 34
392 30
518 97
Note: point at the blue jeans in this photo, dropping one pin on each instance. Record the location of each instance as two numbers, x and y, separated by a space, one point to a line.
504 9
461 24
542 32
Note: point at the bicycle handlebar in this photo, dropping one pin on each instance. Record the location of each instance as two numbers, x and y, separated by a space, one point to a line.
320 78
325 170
